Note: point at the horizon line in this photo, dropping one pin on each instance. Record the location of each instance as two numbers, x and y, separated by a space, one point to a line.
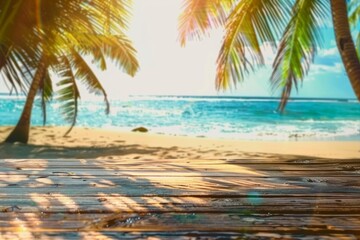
209 96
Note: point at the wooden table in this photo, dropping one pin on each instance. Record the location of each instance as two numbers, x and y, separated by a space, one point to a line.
254 198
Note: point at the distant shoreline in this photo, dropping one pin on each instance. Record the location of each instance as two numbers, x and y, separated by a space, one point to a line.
49 142
248 118
248 97
266 138
220 97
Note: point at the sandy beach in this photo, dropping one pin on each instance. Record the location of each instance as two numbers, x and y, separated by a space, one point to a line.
49 142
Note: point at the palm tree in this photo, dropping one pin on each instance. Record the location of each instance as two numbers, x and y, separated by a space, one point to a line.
53 37
296 23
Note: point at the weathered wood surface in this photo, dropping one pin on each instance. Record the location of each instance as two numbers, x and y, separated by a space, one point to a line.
278 198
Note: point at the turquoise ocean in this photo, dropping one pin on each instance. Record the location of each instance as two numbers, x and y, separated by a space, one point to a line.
216 117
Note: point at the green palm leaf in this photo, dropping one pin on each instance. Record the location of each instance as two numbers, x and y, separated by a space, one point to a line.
358 44
46 93
199 16
68 94
298 46
248 26
9 9
86 44
18 57
354 16
65 31
99 58
109 16
120 50
354 19
15 70
87 76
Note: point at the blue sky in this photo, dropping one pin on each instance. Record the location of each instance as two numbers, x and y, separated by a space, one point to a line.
166 68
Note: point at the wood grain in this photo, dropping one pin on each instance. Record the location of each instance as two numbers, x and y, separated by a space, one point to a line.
280 198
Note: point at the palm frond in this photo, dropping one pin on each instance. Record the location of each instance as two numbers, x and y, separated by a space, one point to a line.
358 44
87 76
109 16
20 72
17 57
99 58
354 16
354 19
5 69
65 31
67 15
68 94
198 16
298 46
9 9
46 93
251 23
120 50
15 70
117 48
88 44
117 15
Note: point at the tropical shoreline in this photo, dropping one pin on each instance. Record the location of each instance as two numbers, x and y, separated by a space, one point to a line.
255 119
94 143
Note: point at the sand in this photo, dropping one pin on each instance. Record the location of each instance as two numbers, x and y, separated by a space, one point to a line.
86 143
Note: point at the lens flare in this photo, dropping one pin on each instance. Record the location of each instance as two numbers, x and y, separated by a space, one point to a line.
254 198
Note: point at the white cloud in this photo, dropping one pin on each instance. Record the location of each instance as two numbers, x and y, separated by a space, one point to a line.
327 69
329 52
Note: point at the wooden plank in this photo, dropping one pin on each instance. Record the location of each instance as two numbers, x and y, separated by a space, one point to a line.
180 182
172 235
271 159
68 176
135 189
103 203
88 217
190 197
329 166
185 222
199 182
180 202
169 221
199 165
339 196
114 208
176 172
194 163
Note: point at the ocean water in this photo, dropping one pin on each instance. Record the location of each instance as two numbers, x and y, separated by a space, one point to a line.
219 117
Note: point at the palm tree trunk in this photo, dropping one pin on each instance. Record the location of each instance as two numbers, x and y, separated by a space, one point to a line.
21 132
346 44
